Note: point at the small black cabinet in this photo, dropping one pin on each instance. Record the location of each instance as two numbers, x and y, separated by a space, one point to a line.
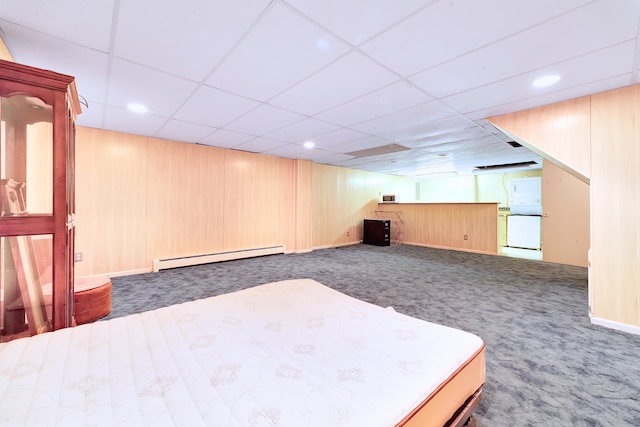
377 232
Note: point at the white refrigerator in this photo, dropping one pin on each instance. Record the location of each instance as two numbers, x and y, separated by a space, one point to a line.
524 224
524 231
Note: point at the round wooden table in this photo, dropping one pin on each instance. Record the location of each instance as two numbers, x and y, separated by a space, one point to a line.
91 298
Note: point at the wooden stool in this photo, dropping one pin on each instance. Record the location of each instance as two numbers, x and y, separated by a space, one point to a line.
91 298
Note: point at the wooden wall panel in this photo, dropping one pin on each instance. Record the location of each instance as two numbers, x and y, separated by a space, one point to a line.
613 135
325 231
111 188
178 199
343 198
559 132
615 209
302 232
565 224
185 197
252 201
364 197
444 225
4 52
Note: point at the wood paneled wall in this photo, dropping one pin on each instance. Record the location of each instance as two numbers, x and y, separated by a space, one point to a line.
111 202
185 195
342 198
565 224
615 208
253 198
303 194
604 128
4 52
140 199
558 132
445 225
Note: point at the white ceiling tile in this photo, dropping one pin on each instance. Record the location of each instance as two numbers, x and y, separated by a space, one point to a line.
212 107
360 144
341 73
263 120
297 151
429 129
448 29
87 65
262 66
123 120
145 90
351 162
176 130
390 99
601 64
553 97
185 38
445 139
91 116
337 137
226 139
287 150
81 22
303 130
332 158
357 20
260 145
409 117
351 76
550 40
315 154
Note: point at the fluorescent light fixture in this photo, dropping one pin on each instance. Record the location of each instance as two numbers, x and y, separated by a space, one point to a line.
309 145
137 108
545 81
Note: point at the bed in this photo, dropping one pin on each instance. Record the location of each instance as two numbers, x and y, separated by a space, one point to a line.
290 353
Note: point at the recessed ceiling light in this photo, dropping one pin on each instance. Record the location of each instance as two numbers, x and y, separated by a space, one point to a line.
309 145
323 44
137 108
546 80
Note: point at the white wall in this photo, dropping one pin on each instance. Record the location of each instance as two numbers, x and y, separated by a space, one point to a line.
472 188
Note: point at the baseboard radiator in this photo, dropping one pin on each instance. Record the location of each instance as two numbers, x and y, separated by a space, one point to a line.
163 264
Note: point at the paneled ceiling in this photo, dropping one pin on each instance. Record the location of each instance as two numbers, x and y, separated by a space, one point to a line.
266 76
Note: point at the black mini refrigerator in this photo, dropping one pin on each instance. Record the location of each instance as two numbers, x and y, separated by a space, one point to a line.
377 232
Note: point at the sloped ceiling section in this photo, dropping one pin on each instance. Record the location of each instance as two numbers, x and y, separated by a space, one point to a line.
266 76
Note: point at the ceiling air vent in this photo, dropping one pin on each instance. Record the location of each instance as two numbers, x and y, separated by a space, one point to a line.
514 144
384 149
505 166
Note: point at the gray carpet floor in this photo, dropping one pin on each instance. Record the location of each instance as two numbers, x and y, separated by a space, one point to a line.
546 364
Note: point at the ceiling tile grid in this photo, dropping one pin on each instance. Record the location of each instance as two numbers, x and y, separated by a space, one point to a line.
268 75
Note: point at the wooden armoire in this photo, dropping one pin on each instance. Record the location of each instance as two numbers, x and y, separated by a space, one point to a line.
38 109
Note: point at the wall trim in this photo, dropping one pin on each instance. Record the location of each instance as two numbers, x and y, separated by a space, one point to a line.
186 261
449 248
624 327
298 251
337 245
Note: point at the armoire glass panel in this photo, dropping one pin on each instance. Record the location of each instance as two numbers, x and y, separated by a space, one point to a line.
25 285
26 156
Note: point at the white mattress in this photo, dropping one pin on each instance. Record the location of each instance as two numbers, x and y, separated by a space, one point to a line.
293 353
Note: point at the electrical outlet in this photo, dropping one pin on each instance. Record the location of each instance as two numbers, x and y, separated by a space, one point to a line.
77 257
347 234
466 237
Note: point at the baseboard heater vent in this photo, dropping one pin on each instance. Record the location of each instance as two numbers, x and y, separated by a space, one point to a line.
163 264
